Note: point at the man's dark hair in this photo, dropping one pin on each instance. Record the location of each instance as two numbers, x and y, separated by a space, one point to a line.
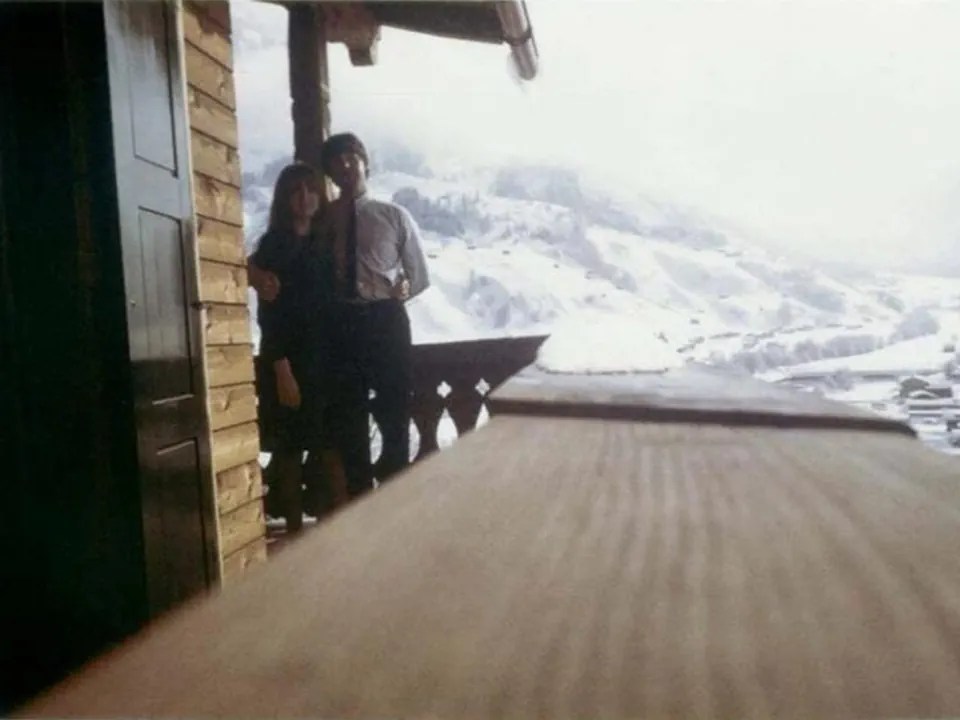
339 144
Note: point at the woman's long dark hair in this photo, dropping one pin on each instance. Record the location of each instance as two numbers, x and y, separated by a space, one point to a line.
281 217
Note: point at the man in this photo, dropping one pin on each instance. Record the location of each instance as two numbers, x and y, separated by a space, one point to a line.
378 264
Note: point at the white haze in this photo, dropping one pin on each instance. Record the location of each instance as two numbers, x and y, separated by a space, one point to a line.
829 128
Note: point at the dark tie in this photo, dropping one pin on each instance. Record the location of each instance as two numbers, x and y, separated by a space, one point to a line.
350 276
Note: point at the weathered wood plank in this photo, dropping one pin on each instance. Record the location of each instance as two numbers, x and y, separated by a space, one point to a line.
241 527
214 159
211 118
210 77
229 365
206 35
235 446
244 559
238 486
689 394
220 241
228 325
232 405
573 568
221 283
217 200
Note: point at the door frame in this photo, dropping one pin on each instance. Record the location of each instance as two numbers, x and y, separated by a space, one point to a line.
123 132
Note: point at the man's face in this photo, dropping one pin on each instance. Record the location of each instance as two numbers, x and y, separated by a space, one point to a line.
348 170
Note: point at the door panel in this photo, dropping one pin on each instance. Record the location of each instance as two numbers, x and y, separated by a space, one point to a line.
160 278
151 94
165 309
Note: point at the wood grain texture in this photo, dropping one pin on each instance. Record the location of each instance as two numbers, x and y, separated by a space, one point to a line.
573 568
215 159
234 446
209 76
241 527
247 557
232 405
206 35
211 118
220 283
227 325
238 486
220 241
229 365
217 200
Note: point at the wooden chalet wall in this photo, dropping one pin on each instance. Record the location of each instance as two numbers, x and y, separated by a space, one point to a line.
235 441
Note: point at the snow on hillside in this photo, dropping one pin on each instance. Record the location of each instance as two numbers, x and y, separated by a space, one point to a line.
925 355
525 250
512 252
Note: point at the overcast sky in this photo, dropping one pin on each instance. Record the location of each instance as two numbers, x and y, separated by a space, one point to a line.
833 126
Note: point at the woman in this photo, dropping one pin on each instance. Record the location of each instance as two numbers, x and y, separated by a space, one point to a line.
291 271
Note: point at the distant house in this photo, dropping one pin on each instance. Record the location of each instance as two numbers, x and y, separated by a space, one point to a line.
912 384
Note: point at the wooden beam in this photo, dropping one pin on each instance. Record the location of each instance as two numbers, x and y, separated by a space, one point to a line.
309 81
352 24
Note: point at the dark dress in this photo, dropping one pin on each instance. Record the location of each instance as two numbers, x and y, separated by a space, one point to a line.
296 325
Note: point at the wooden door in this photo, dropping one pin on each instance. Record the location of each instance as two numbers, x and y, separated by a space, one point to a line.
163 312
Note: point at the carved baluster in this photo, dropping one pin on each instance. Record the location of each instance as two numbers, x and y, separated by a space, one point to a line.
483 416
464 403
426 412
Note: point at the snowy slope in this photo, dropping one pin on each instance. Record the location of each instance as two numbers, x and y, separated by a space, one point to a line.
515 250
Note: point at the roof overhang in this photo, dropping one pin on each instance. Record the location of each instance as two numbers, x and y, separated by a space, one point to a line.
357 25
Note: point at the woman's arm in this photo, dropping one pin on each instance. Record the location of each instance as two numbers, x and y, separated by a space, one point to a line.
265 283
261 265
288 389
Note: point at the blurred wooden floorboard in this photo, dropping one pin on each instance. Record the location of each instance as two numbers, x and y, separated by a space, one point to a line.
582 568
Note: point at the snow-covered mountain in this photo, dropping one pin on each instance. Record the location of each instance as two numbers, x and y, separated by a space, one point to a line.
513 250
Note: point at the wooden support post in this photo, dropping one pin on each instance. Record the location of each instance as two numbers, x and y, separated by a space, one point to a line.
309 80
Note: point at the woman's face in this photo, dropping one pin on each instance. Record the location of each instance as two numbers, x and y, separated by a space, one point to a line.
304 201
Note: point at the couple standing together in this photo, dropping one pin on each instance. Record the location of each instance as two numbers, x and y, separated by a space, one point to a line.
334 329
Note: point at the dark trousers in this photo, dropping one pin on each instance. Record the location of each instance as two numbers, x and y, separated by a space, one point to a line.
374 347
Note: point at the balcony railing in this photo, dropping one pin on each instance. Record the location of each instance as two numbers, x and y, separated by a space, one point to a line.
457 377
451 379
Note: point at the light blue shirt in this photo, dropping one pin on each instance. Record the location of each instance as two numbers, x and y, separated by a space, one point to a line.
388 247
